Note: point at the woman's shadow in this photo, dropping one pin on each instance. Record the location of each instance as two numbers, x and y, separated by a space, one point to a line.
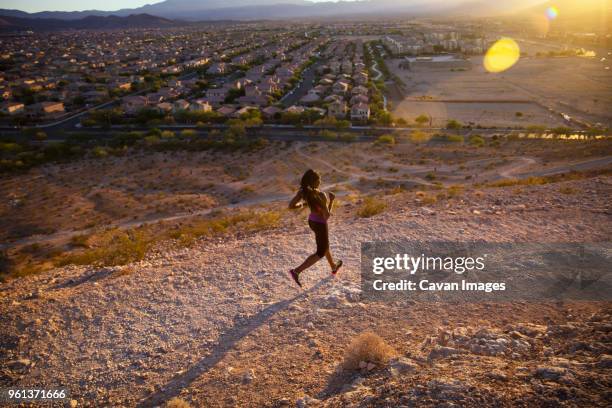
225 343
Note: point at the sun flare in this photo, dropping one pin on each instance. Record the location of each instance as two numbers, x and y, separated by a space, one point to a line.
502 55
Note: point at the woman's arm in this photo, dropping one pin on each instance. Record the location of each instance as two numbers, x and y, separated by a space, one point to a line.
325 210
296 201
330 205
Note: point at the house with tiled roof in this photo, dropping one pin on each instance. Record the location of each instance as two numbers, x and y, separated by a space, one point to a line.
271 111
337 109
226 110
200 105
360 112
132 104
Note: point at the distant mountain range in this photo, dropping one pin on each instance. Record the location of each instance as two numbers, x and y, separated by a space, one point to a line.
207 10
178 12
8 23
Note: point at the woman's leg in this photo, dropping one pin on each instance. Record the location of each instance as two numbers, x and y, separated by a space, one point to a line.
311 260
330 259
320 231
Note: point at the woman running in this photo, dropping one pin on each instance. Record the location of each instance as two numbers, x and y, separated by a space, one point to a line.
320 210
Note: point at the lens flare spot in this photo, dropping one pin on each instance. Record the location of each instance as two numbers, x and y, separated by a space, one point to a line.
552 12
502 55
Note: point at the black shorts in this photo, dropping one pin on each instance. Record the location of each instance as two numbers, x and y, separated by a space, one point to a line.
321 236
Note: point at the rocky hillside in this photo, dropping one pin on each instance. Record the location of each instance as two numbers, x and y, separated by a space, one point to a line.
219 323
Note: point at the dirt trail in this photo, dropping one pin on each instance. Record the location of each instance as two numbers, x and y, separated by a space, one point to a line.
507 171
353 178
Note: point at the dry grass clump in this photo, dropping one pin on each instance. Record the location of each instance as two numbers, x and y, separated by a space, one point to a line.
530 181
247 221
450 192
370 207
111 248
388 140
177 403
454 190
116 247
369 348
79 240
426 198
555 178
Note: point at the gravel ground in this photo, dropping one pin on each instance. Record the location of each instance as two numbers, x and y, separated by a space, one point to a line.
219 324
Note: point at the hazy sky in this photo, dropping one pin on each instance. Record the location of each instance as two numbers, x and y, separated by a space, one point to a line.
78 5
71 5
75 5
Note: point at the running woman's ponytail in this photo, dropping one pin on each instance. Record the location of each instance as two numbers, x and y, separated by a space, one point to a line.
309 183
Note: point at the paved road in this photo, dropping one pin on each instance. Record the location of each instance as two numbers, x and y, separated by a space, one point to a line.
293 97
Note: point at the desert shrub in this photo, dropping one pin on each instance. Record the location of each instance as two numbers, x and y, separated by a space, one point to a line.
453 138
245 222
430 176
151 140
419 137
114 247
519 114
426 198
476 140
396 190
370 207
369 348
10 147
188 133
536 128
40 136
530 181
347 137
421 119
99 152
167 134
328 134
343 124
154 132
454 191
80 240
177 403
385 140
562 130
453 124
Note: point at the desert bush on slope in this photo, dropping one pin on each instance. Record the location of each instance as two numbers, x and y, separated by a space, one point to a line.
368 348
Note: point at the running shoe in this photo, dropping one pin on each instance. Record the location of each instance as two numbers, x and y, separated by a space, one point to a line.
295 277
337 268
